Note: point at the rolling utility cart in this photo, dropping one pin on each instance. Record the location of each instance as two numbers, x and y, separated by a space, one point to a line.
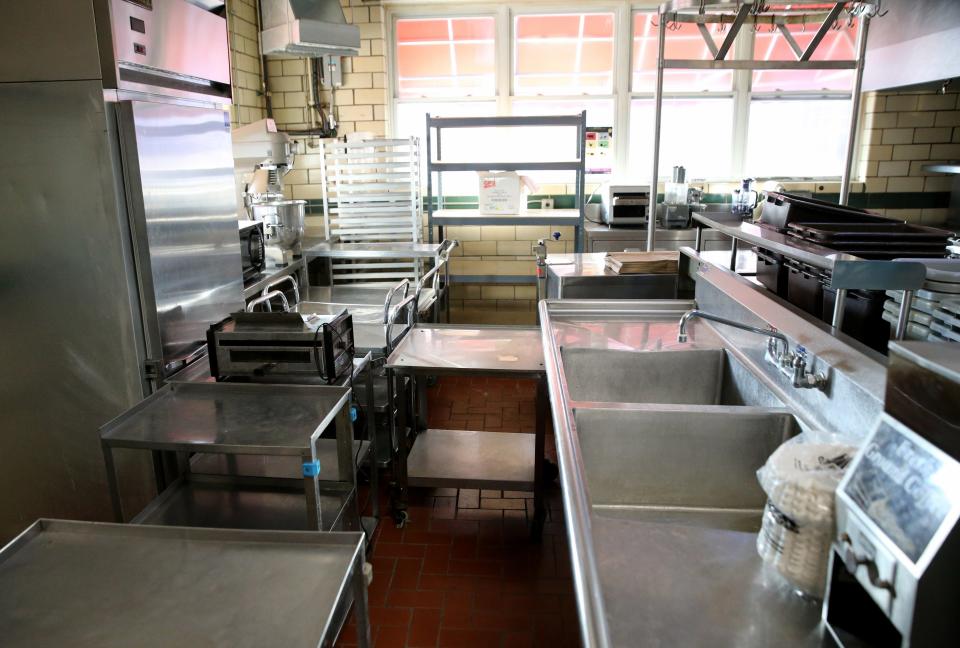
249 456
463 458
90 584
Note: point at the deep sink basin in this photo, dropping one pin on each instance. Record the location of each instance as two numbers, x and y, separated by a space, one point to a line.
694 376
692 458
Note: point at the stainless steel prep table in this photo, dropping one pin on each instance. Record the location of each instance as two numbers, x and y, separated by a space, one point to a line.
363 376
272 274
280 421
586 276
603 238
65 583
313 249
361 293
461 458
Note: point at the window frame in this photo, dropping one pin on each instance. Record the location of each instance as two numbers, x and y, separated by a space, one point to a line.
624 13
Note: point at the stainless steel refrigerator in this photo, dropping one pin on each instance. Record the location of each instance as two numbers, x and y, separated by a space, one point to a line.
119 242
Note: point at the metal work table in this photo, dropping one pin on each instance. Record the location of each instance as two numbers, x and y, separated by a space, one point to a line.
363 376
241 419
65 583
586 276
314 248
847 272
603 238
270 275
458 458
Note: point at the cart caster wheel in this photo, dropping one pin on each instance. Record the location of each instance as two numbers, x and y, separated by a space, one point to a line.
401 517
536 533
550 470
367 573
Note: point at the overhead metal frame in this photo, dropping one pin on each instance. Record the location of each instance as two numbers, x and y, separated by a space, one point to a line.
755 12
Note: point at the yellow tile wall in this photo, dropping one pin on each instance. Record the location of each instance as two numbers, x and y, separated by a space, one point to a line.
360 104
900 133
248 101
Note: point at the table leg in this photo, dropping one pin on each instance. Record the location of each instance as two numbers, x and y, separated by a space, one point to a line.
311 491
361 610
372 438
398 436
346 463
112 482
539 486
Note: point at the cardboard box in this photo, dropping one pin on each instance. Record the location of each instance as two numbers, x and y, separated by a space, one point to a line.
503 192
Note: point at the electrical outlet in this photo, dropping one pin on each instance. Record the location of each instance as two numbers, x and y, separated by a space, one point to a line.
546 203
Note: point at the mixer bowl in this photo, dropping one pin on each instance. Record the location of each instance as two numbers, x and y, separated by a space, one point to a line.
283 220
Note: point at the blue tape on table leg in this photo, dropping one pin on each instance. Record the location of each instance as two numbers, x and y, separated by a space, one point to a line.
311 468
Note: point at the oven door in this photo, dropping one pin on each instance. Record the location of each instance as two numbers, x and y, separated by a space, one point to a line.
252 250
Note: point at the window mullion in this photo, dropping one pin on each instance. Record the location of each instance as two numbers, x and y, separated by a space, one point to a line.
622 68
504 60
741 103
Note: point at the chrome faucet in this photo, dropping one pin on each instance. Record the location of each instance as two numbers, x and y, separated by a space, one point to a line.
793 364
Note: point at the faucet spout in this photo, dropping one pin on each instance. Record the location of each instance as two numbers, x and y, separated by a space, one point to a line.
772 333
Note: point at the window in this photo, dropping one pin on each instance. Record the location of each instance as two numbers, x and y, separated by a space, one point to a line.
719 124
567 54
683 42
815 104
697 124
445 57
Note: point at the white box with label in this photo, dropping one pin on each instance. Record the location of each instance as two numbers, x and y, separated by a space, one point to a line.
502 192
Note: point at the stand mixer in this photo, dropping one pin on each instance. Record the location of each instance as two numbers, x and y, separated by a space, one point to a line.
262 156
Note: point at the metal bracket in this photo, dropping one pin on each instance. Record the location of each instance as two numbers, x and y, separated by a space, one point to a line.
824 28
152 369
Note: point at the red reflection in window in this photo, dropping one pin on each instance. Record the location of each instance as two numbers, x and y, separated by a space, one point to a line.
445 57
837 45
563 54
684 43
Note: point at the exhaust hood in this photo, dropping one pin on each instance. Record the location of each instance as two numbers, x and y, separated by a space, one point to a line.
307 28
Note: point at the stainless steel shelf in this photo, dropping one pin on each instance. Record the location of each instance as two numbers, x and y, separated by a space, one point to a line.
519 120
467 459
278 466
847 271
271 274
563 165
435 127
228 417
472 217
463 350
113 585
222 505
324 249
942 168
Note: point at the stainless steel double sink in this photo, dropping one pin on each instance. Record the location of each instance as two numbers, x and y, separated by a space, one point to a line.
673 436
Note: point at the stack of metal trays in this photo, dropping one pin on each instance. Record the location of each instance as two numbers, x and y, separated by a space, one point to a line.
928 319
946 321
880 241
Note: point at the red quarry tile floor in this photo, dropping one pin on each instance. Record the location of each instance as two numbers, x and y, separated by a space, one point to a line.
464 572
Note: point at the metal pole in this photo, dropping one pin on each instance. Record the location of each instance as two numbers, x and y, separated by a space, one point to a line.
657 105
838 308
733 255
429 184
698 241
904 316
854 111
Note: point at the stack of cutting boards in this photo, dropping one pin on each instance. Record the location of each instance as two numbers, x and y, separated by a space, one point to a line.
643 262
